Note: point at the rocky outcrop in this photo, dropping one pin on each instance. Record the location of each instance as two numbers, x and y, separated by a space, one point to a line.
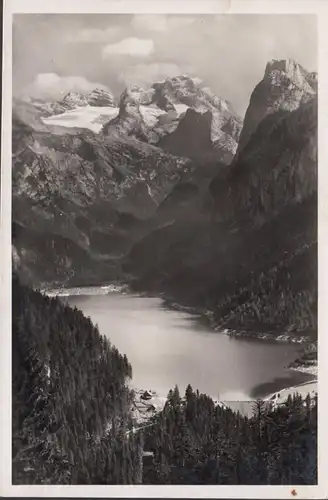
100 97
73 100
130 121
284 87
277 167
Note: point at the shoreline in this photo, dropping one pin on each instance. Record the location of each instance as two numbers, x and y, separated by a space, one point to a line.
279 397
205 316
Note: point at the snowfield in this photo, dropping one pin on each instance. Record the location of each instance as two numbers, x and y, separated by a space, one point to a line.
90 117
94 117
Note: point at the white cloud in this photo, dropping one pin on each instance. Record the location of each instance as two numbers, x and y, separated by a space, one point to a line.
130 46
53 86
144 74
90 35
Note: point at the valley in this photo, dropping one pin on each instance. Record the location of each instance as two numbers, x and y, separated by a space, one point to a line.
174 243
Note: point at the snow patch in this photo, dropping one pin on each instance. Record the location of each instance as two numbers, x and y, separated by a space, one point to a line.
90 117
150 115
94 117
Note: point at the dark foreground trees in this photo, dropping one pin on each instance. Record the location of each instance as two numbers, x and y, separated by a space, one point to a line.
196 442
71 407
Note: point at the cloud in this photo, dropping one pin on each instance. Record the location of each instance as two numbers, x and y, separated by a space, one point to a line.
206 42
144 74
53 86
93 35
130 46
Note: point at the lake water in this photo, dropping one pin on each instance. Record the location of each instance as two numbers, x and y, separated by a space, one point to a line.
168 347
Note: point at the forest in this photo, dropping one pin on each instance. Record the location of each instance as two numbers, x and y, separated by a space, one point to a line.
71 416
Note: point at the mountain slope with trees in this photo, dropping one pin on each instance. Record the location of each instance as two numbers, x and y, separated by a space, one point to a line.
70 403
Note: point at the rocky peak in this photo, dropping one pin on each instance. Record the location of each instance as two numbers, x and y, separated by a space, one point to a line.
183 90
137 94
74 99
284 87
100 97
129 120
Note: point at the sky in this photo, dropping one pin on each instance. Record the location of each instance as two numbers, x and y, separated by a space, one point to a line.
57 53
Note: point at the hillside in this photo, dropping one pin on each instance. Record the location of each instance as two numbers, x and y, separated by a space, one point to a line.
70 403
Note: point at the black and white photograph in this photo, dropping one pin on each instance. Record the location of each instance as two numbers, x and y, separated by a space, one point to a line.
164 249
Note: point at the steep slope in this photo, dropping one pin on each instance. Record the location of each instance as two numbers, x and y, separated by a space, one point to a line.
248 253
192 138
78 199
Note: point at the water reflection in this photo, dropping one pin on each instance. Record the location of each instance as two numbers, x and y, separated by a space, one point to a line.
168 347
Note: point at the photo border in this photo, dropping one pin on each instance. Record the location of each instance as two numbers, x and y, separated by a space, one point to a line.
316 7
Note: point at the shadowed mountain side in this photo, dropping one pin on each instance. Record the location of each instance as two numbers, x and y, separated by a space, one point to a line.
247 249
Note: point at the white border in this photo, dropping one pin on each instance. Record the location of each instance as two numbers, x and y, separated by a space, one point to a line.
160 6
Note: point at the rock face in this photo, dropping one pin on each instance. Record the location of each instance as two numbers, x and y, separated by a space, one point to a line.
171 112
192 137
100 97
284 87
130 120
246 248
73 100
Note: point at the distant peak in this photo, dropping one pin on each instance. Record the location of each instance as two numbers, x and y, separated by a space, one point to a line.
285 65
73 93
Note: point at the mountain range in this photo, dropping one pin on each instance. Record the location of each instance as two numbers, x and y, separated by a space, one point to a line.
170 190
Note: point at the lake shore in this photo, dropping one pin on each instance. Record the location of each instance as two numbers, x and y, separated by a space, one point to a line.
304 389
298 365
202 313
